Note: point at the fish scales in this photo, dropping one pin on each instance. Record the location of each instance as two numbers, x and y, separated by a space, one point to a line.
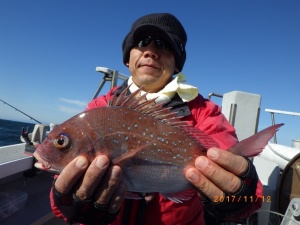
165 150
150 144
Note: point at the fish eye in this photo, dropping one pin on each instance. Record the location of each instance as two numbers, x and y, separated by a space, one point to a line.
62 142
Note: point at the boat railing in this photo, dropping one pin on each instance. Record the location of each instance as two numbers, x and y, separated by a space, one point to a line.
109 75
215 95
273 111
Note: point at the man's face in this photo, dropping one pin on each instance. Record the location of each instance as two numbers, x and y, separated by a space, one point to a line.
151 67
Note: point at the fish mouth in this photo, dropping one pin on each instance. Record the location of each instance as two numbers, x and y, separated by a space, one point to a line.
43 164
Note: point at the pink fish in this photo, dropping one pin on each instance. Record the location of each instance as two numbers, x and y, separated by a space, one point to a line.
149 143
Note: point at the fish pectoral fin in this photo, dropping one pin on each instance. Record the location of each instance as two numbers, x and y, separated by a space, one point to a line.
133 195
129 154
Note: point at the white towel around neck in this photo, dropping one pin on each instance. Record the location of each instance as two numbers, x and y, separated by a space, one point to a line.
185 91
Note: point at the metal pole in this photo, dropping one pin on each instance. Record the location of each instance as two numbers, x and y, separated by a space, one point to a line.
109 75
99 88
214 94
233 108
273 123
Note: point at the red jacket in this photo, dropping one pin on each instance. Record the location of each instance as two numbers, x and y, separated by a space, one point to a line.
206 116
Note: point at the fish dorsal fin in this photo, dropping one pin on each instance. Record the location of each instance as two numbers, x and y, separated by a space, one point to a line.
199 136
137 101
127 100
254 144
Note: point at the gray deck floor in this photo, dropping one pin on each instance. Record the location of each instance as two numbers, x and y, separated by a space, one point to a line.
37 209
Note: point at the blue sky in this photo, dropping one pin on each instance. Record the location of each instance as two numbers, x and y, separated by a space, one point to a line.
49 51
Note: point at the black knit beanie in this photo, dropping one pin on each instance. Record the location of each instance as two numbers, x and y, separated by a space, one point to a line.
162 25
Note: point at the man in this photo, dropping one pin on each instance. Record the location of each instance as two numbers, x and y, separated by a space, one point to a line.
91 193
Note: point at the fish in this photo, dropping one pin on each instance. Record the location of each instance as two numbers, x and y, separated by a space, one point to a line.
149 142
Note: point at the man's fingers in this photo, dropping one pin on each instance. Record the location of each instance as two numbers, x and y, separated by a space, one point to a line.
71 174
92 177
203 184
234 163
223 179
117 198
95 177
109 185
218 173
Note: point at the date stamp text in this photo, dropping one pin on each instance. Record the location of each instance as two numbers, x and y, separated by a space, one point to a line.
233 198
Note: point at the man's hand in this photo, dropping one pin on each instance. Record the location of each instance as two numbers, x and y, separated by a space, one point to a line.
96 186
218 173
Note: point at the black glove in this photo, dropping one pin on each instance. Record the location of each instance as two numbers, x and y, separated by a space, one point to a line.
233 204
78 211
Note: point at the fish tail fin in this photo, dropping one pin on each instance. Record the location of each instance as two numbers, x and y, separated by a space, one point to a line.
254 144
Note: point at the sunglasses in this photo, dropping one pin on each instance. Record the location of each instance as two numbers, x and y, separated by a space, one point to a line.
159 43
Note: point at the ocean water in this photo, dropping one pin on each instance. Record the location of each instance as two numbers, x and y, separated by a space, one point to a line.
10 131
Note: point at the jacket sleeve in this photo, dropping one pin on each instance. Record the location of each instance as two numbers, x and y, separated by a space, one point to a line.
207 117
101 101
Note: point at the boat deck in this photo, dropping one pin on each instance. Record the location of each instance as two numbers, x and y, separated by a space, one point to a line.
23 200
36 207
14 160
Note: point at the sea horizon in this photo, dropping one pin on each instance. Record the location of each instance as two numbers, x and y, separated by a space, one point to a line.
10 131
